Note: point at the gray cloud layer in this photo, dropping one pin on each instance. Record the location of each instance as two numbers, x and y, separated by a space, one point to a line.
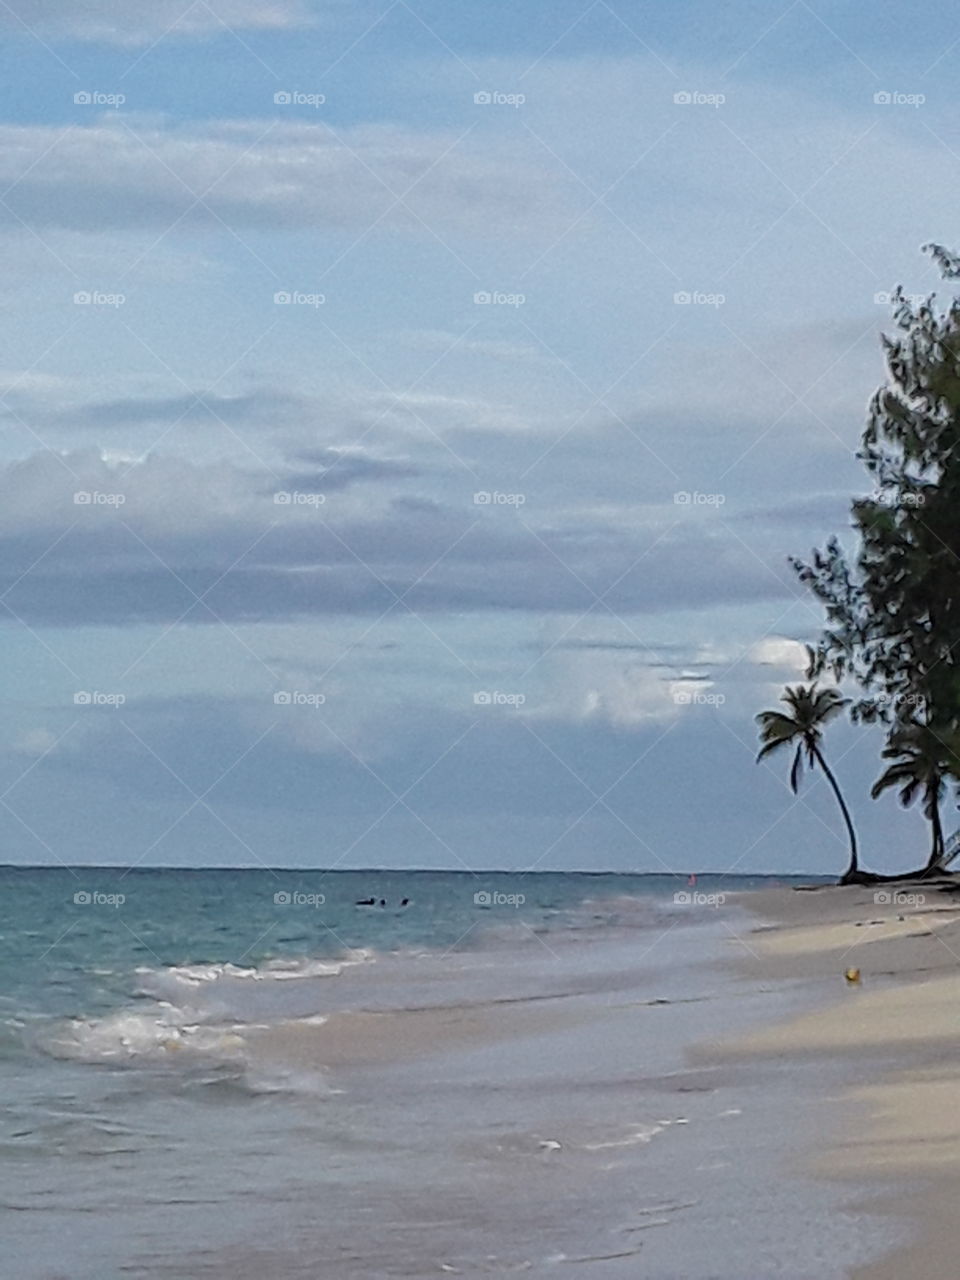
154 538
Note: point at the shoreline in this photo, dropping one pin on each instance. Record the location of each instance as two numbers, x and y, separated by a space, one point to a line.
638 1084
891 1040
529 1106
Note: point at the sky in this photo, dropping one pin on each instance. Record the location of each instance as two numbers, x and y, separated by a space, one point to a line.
408 411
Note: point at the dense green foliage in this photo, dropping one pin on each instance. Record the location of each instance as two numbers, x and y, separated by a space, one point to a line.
893 606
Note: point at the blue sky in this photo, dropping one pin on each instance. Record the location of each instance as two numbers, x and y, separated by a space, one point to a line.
583 260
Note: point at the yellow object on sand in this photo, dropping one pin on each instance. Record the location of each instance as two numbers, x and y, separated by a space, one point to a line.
852 976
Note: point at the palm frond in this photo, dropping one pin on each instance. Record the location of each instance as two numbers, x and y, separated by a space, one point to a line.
769 747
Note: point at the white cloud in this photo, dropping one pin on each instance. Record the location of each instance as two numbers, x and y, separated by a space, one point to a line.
790 656
35 742
272 174
117 22
628 683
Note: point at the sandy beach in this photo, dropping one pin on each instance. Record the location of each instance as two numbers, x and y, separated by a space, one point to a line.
891 1041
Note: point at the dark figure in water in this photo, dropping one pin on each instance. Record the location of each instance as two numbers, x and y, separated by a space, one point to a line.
383 902
405 902
366 902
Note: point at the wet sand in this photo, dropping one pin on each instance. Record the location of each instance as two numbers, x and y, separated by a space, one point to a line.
573 1130
891 1040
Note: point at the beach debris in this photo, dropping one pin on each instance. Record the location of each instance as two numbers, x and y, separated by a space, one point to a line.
852 976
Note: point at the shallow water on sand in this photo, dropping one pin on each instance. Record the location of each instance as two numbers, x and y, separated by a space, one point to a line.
514 1098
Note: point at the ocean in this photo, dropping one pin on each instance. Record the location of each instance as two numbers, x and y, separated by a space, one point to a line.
356 1074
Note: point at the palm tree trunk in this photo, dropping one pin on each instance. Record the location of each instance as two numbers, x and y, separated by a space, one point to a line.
936 855
853 869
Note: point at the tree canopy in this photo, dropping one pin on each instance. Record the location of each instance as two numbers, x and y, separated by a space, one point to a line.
893 605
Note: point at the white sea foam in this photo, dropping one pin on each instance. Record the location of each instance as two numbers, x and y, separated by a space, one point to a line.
134 1035
638 1138
199 1011
277 970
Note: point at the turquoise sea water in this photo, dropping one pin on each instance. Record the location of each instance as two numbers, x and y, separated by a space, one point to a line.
245 1074
73 939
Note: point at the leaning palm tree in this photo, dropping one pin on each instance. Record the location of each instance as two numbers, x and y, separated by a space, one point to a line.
810 710
924 759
